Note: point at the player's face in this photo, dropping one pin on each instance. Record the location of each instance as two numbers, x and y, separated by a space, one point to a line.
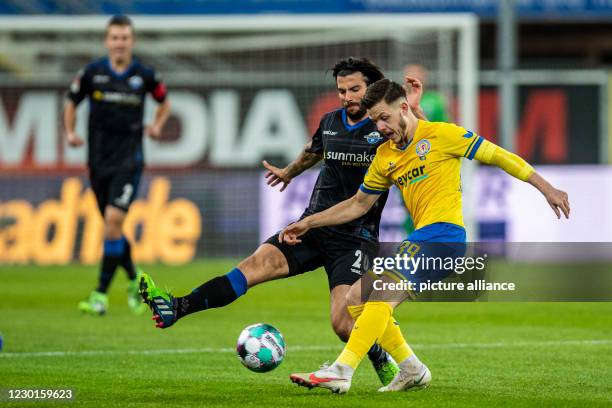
390 120
119 42
351 89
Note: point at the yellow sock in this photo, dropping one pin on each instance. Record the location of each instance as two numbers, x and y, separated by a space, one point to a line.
355 311
393 342
369 327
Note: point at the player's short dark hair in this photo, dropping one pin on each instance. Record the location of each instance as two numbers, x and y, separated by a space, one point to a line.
370 71
120 20
382 90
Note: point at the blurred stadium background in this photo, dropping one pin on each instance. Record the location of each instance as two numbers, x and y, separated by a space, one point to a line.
252 85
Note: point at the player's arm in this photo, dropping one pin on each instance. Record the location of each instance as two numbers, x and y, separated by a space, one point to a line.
341 213
514 165
79 89
158 91
375 183
414 93
162 112
304 161
70 123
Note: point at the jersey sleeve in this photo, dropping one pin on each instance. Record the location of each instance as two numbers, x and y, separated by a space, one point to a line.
459 142
375 180
316 145
80 87
489 153
156 87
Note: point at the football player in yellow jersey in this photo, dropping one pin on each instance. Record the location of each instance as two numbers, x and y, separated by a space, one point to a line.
423 160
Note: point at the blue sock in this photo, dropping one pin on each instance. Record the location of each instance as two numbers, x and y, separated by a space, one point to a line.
238 282
217 292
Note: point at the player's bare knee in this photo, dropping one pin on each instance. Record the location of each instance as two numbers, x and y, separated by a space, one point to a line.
263 266
113 222
251 267
275 261
112 229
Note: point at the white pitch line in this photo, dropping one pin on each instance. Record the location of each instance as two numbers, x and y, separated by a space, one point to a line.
85 353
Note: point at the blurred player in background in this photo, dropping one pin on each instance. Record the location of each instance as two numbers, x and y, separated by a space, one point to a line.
116 86
423 159
433 103
346 141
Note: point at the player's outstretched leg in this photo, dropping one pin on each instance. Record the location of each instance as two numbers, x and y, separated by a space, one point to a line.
217 292
265 264
375 322
162 304
370 326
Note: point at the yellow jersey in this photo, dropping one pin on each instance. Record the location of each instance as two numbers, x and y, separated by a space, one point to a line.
427 171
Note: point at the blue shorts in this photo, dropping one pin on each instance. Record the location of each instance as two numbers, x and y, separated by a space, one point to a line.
434 249
438 232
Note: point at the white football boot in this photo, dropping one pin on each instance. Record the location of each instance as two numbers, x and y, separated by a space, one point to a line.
335 378
409 380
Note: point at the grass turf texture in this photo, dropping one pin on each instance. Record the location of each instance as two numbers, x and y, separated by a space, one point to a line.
480 354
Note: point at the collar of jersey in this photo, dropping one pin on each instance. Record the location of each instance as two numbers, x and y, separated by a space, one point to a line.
357 125
115 73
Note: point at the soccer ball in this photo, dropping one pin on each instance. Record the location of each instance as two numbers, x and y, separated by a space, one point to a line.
260 347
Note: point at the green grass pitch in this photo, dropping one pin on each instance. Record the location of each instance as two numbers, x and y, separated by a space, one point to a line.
480 354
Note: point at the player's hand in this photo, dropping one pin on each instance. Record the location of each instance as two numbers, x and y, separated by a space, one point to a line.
558 201
276 176
414 91
290 235
74 140
153 131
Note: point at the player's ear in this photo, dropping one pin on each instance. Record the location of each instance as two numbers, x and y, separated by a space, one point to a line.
404 107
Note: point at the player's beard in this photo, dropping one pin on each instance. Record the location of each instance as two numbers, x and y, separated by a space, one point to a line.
403 125
357 115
